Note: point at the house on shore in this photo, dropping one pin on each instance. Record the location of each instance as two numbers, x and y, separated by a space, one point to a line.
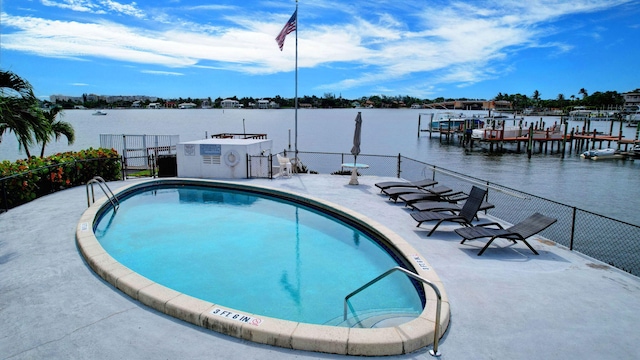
230 104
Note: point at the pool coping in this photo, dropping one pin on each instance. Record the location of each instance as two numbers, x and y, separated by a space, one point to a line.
399 339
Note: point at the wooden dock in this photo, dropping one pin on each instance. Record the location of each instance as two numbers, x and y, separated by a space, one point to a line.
544 141
537 137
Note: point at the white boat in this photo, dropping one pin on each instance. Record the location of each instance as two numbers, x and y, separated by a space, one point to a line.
581 113
602 154
450 121
633 118
499 127
99 113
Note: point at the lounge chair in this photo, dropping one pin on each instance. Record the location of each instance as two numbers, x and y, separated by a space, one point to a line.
445 206
410 184
394 193
433 196
520 231
464 217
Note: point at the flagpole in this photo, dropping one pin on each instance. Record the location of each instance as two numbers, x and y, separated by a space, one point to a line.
296 100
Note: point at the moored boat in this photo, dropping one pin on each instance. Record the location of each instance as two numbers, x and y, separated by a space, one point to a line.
450 121
498 127
602 154
99 113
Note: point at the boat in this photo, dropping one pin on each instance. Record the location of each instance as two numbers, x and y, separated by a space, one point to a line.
99 113
602 154
633 118
497 127
581 113
502 127
449 121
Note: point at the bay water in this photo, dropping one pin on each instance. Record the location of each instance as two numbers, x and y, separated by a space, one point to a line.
606 187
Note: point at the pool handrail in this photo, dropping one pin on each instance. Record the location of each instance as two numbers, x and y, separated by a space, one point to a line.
108 193
434 351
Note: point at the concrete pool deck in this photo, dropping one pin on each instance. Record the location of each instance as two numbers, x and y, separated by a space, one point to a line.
506 304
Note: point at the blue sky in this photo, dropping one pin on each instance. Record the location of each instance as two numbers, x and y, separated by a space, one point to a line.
421 48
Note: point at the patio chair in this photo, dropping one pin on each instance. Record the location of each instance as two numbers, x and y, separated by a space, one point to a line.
445 206
442 196
285 166
394 193
402 184
464 217
520 231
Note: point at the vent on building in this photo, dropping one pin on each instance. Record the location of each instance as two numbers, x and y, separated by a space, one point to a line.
211 159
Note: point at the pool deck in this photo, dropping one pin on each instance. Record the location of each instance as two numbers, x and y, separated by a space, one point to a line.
506 304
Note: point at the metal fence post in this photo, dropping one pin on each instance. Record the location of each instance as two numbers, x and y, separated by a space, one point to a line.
487 195
573 227
398 168
248 160
124 149
123 167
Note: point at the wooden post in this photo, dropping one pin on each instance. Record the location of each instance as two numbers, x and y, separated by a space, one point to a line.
620 134
564 140
530 144
611 128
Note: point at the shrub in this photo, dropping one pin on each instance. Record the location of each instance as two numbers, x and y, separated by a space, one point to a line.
25 180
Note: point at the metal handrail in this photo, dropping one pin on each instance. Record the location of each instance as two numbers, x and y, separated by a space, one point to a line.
100 181
434 351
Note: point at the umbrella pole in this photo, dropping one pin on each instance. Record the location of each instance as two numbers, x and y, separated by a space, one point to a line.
354 172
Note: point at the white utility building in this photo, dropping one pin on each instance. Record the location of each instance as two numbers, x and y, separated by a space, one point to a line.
221 158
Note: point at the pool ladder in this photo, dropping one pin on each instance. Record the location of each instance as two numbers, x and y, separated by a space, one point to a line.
434 351
105 189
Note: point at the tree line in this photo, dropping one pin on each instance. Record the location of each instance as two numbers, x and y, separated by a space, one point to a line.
519 102
601 100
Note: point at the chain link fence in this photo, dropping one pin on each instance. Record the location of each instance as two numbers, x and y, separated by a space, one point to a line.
611 241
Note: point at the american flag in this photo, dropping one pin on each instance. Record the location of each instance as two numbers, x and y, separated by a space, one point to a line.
288 28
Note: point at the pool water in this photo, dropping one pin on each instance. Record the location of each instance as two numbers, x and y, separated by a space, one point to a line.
254 253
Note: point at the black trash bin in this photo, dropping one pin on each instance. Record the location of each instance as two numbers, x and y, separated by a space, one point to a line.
167 166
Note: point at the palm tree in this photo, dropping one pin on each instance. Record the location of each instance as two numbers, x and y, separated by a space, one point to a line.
584 93
536 98
57 128
561 100
19 111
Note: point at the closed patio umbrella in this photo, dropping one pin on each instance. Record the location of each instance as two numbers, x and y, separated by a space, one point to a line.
355 150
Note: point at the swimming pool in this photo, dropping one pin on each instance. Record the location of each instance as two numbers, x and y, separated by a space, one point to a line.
289 261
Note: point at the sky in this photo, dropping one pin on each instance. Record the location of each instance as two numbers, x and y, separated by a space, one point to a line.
420 48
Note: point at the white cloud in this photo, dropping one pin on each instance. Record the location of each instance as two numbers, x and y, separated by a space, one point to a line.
156 72
75 5
459 43
127 9
100 7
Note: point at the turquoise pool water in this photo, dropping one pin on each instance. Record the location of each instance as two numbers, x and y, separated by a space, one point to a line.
254 253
